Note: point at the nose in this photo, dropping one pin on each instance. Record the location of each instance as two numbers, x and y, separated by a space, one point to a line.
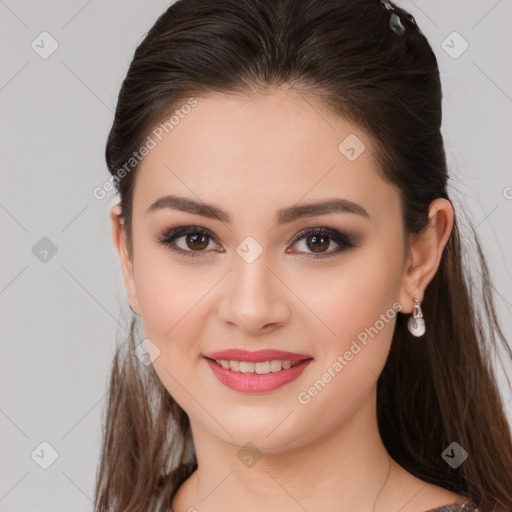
255 299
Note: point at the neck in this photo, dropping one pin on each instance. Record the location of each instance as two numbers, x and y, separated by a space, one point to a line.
342 470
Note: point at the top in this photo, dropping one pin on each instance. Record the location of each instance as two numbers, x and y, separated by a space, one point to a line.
467 506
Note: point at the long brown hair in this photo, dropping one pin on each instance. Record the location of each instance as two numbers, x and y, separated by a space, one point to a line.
344 53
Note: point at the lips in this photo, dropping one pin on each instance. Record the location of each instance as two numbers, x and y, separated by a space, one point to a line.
239 380
258 356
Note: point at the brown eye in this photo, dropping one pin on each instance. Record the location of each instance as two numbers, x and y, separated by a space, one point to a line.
314 242
197 242
317 243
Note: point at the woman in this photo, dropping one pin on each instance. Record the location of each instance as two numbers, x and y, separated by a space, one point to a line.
311 339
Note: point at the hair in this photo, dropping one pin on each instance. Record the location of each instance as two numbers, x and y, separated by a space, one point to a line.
343 53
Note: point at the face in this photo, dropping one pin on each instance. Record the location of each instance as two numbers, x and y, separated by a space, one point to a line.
249 275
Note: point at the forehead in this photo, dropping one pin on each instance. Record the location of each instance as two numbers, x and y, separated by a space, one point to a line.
269 150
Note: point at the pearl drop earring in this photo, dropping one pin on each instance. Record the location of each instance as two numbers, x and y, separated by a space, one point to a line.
416 323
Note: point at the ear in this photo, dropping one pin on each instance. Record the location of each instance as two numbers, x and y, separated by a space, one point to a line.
425 251
119 237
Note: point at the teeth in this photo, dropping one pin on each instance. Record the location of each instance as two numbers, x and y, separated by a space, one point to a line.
260 368
246 367
275 366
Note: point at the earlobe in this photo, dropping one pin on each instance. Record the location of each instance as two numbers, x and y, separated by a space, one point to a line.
125 259
425 252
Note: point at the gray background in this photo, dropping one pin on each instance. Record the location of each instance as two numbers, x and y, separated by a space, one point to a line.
60 317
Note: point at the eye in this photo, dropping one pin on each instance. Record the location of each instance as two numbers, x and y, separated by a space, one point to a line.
197 239
319 239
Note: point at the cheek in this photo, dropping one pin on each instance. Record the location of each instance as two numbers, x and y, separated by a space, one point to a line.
170 297
174 307
359 305
357 295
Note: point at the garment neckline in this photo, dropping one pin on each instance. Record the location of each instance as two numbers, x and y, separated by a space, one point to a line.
466 506
462 507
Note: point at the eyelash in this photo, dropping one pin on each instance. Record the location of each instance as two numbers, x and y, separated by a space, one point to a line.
169 236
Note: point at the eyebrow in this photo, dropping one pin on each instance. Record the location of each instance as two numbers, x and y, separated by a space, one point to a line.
283 216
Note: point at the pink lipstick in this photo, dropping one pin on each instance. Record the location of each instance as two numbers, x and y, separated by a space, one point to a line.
256 372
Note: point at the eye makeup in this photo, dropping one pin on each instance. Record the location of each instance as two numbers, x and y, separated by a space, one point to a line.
201 237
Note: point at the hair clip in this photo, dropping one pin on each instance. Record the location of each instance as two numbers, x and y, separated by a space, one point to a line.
396 25
395 22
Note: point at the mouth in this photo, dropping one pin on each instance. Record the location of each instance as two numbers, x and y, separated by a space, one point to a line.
264 371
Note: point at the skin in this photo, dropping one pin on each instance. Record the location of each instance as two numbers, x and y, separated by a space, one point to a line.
252 156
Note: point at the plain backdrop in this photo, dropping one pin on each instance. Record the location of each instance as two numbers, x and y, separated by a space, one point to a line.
62 298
